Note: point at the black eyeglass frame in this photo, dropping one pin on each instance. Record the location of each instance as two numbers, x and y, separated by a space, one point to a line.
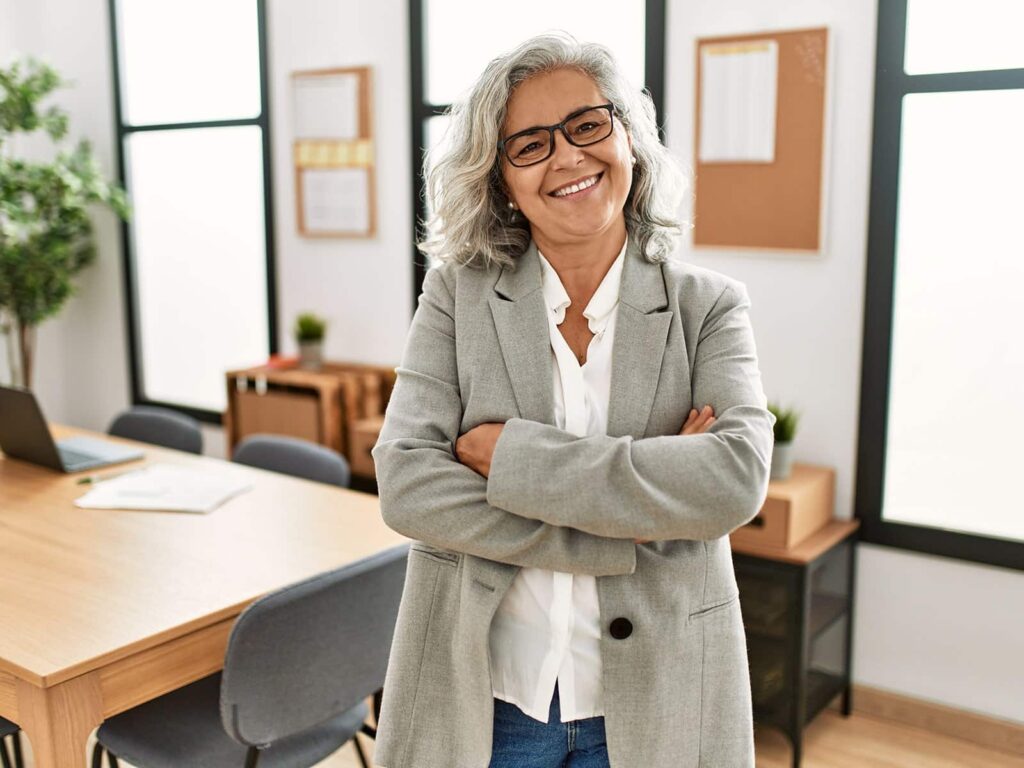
551 134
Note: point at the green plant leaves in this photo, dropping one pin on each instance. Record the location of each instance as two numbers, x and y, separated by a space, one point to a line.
22 86
45 230
310 327
786 421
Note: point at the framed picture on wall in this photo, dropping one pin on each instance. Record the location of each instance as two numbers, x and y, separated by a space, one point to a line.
333 154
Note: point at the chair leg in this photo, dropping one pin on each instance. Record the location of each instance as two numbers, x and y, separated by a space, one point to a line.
252 757
359 751
112 760
19 760
97 755
4 757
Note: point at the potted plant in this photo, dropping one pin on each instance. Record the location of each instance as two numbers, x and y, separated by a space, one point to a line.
45 230
785 430
309 333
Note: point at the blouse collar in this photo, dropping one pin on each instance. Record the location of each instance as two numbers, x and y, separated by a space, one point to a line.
604 300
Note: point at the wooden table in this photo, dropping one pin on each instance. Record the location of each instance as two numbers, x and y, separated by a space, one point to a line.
101 610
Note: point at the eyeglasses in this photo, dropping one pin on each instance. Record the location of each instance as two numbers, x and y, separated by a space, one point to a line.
581 129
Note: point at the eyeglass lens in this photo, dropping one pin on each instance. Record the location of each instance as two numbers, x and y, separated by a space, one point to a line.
585 128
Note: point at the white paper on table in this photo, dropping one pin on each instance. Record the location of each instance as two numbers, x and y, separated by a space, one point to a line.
163 487
336 199
326 107
739 88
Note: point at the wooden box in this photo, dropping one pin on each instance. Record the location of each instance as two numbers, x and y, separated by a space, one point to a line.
794 509
322 406
362 437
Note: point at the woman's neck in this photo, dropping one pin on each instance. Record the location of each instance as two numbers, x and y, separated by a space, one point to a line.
582 265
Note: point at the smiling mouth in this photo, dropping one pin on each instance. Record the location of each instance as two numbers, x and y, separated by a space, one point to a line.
577 187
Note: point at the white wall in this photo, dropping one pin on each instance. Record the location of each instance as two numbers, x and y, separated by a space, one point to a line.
929 627
363 287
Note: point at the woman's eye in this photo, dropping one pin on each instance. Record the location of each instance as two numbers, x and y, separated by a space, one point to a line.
529 149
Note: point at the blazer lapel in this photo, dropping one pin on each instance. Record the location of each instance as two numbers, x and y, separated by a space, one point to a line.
641 333
522 325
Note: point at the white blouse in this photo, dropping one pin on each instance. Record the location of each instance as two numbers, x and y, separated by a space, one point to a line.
548 626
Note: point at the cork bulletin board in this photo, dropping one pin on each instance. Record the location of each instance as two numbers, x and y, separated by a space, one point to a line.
773 197
333 153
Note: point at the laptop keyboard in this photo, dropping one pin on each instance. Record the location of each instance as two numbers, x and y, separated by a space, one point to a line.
73 459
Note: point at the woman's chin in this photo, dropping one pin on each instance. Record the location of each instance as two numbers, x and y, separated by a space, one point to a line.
576 228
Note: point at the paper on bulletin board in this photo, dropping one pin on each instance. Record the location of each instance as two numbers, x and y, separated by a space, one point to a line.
739 87
327 107
336 200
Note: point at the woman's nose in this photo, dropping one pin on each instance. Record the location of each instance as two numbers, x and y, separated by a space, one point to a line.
565 154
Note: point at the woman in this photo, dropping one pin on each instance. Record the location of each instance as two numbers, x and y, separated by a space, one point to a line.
552 445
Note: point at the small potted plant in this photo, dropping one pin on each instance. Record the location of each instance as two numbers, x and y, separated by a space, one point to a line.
785 430
309 333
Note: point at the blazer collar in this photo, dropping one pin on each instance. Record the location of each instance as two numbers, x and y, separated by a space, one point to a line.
643 286
521 278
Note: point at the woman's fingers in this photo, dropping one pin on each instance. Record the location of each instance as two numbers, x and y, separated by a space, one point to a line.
698 421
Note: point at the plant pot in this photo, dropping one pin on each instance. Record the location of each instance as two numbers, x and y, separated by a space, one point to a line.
311 355
782 461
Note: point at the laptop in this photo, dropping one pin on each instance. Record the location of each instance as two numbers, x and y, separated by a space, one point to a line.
24 435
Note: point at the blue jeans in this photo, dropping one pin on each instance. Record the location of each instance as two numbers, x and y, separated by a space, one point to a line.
521 742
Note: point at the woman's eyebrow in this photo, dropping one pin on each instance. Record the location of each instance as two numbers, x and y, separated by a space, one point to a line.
565 117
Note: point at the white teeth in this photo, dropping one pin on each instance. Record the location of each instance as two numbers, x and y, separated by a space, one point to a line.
577 187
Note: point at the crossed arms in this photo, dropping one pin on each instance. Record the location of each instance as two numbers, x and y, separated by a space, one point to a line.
556 501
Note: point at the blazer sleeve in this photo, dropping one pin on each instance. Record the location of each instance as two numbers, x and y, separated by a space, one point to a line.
427 494
674 487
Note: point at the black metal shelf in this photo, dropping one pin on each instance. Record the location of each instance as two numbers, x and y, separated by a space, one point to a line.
822 688
797 665
825 610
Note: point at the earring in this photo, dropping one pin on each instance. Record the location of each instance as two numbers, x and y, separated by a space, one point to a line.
511 205
632 159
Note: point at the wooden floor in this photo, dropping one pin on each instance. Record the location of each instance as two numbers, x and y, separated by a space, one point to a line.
833 741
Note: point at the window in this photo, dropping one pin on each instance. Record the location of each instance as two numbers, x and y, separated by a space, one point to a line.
194 151
941 406
452 41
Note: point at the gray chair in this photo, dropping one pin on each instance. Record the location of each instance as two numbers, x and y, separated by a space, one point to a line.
299 667
7 728
293 456
159 426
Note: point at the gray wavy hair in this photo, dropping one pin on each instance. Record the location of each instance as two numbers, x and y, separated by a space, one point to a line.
470 221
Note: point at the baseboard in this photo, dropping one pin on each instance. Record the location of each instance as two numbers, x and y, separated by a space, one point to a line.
991 732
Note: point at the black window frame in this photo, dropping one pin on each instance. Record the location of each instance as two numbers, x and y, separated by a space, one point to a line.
127 247
891 85
654 76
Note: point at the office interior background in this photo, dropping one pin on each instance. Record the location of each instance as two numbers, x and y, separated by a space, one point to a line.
935 627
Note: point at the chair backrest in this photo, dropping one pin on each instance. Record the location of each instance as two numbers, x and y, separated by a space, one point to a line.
6 729
311 651
293 456
159 426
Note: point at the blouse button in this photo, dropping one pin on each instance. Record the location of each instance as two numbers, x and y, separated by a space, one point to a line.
621 628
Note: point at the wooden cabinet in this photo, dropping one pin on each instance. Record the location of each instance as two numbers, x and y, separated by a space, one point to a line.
797 606
340 406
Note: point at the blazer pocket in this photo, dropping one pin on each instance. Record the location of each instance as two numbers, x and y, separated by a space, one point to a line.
437 555
714 607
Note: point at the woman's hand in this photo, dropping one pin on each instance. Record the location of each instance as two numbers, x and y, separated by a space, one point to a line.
697 423
476 447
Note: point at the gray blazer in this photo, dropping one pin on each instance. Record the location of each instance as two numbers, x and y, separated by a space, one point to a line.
677 688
